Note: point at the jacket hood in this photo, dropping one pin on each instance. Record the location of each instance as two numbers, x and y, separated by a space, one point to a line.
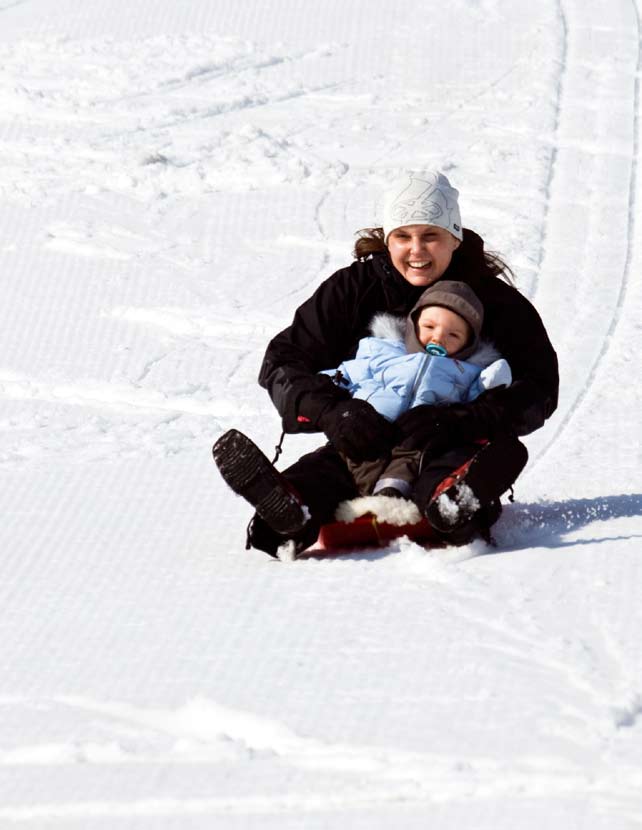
456 296
390 327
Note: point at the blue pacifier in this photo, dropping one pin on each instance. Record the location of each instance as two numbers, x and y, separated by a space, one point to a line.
436 350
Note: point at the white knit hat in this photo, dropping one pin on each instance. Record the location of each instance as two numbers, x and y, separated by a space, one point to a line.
424 198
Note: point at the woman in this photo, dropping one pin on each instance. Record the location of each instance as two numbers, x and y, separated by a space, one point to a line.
471 454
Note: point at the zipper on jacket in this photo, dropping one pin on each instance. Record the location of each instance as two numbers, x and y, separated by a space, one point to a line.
419 377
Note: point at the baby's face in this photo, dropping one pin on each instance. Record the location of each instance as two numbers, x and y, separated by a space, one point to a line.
443 327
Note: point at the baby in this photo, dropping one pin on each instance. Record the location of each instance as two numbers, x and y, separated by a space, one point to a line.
433 357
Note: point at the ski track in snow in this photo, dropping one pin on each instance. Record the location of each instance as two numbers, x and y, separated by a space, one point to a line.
7 6
169 197
570 148
182 83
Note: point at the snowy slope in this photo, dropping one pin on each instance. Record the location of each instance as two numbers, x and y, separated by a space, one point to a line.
175 177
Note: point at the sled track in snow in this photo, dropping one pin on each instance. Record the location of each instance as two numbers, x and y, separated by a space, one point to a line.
553 193
548 187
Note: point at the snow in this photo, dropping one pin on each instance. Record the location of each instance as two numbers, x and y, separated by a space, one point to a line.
175 178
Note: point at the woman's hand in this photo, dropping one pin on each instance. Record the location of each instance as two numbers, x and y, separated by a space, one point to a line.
448 426
426 426
357 430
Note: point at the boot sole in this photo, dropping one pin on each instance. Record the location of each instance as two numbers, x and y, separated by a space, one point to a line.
249 473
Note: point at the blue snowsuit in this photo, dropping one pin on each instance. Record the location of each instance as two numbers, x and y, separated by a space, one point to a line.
392 381
385 375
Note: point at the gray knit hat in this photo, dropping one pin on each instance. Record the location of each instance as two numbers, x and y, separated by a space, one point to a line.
458 297
422 199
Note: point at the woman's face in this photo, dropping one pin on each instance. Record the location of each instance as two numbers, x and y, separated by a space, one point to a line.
421 253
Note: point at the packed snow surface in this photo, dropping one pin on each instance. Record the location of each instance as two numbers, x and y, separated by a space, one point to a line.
175 178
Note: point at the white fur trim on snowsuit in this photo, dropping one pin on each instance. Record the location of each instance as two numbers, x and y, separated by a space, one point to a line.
388 327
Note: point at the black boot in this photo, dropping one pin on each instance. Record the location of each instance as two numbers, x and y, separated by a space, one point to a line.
478 525
251 475
261 536
467 501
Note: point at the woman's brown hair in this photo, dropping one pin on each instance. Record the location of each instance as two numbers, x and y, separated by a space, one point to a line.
371 241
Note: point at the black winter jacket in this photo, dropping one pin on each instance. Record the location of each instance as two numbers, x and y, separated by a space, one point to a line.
327 328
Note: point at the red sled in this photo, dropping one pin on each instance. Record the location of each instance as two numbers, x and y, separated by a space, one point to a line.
368 530
373 522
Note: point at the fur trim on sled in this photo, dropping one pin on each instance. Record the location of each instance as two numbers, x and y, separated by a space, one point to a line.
392 511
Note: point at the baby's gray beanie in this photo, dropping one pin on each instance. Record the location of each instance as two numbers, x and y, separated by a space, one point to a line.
458 297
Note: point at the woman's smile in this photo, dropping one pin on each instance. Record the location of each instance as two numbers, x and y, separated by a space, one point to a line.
421 253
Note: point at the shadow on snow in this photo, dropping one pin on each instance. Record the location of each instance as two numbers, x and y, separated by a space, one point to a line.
545 524
522 526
